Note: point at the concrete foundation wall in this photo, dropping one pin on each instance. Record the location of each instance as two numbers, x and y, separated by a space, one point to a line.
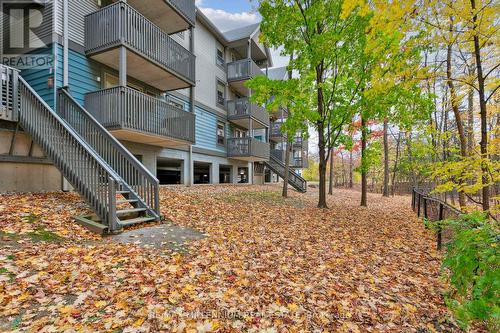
28 177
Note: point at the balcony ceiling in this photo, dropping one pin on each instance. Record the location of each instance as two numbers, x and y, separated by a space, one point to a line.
244 122
142 69
241 47
162 14
146 138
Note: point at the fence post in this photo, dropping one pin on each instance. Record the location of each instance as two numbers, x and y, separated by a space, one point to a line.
425 208
439 235
412 199
419 198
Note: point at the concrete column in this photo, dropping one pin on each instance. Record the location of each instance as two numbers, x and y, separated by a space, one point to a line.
190 169
214 173
123 66
250 172
234 174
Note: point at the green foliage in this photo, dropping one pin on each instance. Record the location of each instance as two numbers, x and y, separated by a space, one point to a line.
472 268
311 173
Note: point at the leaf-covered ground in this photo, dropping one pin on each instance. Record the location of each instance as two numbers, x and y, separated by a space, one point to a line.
266 265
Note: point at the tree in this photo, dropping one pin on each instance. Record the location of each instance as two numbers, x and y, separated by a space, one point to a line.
327 45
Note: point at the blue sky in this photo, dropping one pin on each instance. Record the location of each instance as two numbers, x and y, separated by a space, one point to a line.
231 14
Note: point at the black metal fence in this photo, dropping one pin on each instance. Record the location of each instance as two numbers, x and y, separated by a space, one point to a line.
433 210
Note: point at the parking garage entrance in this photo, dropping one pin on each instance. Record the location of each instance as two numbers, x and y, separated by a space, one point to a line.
169 171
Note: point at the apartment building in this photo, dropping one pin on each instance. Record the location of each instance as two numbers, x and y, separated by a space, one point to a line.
140 93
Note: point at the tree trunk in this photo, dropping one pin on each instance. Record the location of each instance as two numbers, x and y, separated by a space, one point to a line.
482 107
456 112
386 159
332 174
393 182
363 163
470 121
350 170
322 168
287 169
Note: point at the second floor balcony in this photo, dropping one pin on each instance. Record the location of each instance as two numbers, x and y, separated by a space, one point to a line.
241 112
134 116
297 161
152 56
240 71
248 149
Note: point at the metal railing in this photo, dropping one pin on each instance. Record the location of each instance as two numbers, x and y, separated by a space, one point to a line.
9 103
120 24
87 172
295 162
294 179
186 7
242 108
126 108
247 147
242 70
433 210
137 179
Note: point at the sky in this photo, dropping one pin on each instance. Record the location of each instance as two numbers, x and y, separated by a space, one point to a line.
231 14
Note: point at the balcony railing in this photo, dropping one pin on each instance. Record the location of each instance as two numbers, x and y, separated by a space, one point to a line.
295 162
120 24
126 108
243 108
242 70
247 147
275 130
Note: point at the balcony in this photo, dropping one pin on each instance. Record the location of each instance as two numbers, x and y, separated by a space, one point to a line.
247 149
133 116
300 142
169 15
241 111
153 57
240 71
275 132
295 162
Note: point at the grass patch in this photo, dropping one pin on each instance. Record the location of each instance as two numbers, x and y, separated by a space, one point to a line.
42 235
30 218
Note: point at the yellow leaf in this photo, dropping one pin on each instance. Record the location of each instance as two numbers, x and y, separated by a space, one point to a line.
138 322
100 304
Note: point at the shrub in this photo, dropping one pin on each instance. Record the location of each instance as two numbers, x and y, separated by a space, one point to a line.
471 266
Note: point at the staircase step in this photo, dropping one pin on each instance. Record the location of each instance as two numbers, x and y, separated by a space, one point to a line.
126 201
129 211
125 223
122 192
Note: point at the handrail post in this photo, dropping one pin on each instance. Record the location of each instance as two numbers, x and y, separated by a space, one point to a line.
439 231
425 208
112 225
419 198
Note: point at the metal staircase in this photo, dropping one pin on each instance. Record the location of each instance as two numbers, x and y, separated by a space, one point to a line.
119 189
294 179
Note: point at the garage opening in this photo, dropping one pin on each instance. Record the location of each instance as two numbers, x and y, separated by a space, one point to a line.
169 171
202 173
225 174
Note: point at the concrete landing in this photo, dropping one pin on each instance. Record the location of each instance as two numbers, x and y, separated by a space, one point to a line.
163 236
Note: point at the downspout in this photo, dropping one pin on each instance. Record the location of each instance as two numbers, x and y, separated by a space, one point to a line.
191 109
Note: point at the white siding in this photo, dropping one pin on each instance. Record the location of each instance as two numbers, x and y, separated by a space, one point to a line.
77 11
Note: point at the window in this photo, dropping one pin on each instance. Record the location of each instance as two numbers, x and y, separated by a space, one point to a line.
221 94
221 133
111 81
219 60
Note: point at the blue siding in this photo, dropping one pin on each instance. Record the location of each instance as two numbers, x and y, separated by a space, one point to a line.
205 127
83 74
38 80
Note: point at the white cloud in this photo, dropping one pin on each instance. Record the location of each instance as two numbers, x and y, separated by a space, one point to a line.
227 21
198 2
